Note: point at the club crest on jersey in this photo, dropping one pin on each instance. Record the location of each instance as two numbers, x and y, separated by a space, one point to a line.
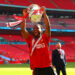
42 45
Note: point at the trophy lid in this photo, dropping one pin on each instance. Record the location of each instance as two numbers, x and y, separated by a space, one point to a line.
34 7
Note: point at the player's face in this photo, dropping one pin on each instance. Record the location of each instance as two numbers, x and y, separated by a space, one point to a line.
36 31
58 46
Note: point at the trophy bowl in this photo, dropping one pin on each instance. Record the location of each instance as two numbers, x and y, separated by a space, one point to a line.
35 13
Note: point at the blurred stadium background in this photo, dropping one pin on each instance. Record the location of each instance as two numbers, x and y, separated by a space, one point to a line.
14 51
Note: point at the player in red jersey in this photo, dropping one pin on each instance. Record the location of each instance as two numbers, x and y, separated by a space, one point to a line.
38 41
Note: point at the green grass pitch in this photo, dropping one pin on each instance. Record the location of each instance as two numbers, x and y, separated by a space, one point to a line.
23 69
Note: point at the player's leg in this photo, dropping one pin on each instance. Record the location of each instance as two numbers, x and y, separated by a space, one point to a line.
33 72
52 71
63 69
36 71
44 71
58 70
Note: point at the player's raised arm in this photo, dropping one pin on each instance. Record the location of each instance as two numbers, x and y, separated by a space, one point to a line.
47 23
23 26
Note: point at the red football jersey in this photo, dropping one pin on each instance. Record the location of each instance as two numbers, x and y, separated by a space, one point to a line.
40 57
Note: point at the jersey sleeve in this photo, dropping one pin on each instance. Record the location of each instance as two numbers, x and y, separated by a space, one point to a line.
46 38
28 40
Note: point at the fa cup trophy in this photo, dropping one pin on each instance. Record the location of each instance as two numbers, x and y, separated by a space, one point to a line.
35 13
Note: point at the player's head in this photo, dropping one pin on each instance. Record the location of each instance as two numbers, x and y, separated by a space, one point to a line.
37 30
58 45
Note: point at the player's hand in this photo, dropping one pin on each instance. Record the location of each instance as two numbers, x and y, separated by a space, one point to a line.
53 66
43 9
25 12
